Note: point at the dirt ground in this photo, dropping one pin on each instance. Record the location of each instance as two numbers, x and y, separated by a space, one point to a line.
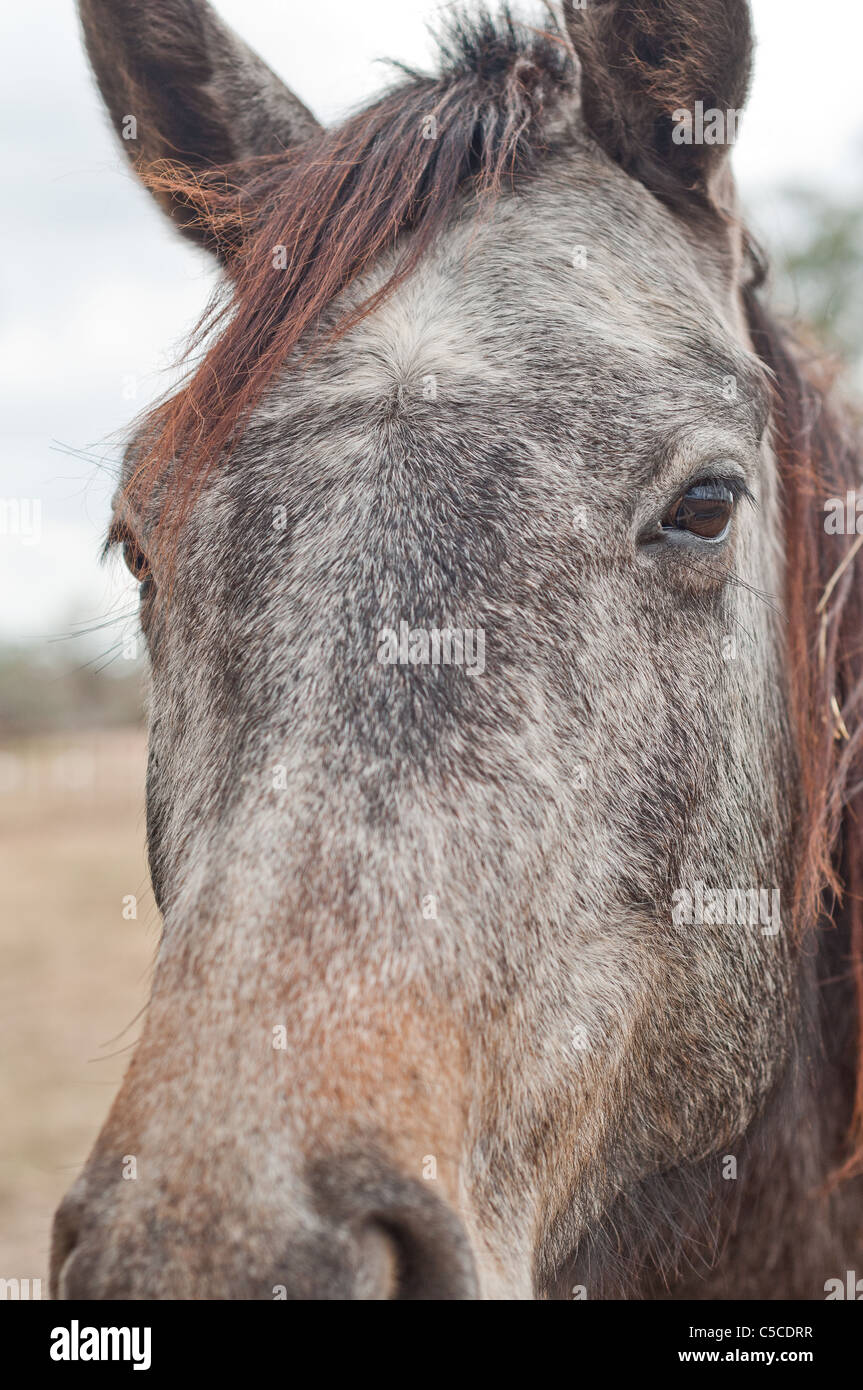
75 970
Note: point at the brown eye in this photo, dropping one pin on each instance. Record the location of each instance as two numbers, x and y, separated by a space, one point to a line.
705 510
136 561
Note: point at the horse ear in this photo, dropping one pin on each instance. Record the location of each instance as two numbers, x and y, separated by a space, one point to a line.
663 84
181 86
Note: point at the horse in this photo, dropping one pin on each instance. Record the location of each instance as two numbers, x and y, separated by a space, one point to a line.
503 796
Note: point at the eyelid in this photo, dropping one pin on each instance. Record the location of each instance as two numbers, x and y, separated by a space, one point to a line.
113 538
734 481
118 533
121 534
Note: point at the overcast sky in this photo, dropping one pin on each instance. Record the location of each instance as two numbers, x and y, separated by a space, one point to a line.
96 292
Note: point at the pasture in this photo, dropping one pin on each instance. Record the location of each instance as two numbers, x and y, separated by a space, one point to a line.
75 970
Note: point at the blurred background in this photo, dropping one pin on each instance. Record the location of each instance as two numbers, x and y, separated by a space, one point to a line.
97 295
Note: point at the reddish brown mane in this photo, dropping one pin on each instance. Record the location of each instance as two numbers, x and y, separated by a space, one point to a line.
819 457
336 206
340 204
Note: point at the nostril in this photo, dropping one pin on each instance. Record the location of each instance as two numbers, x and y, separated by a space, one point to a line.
64 1240
415 1256
408 1242
379 1263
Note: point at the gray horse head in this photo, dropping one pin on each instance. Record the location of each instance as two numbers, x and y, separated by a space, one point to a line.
490 799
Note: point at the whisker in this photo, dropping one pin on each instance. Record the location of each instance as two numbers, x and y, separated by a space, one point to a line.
98 625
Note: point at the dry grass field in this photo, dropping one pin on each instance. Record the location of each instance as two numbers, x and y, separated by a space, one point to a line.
74 972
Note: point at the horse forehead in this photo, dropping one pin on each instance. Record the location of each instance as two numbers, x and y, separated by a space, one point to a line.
571 279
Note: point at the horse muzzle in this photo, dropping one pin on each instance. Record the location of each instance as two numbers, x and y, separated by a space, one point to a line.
364 1233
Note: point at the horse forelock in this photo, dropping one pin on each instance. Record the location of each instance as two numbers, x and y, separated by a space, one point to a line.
300 227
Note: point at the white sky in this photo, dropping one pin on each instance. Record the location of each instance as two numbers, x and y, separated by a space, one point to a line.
96 291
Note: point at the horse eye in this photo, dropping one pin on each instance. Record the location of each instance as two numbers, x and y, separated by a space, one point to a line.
134 557
136 561
705 510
